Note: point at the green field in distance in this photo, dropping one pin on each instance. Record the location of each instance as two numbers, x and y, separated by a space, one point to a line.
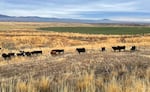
100 30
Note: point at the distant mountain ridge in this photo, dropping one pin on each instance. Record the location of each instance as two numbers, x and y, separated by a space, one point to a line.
44 19
6 18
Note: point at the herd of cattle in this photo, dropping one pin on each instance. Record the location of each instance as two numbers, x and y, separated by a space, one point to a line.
59 51
21 53
115 48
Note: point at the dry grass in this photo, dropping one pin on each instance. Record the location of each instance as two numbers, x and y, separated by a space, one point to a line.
23 35
86 82
124 72
25 40
91 72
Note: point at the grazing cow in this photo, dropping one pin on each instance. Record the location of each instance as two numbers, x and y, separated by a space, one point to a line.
20 54
133 48
6 56
60 51
53 52
103 49
80 50
119 48
27 53
36 52
114 48
11 54
57 51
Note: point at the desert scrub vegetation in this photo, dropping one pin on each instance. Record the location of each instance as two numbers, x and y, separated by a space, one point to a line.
105 77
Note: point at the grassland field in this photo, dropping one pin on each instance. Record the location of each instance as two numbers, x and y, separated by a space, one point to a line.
93 71
101 30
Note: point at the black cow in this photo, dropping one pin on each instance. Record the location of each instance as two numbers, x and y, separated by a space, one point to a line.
103 49
57 51
20 54
80 50
36 52
119 48
6 56
11 54
115 48
27 53
60 51
133 48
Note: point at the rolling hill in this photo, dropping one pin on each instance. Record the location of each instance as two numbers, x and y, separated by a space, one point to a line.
6 18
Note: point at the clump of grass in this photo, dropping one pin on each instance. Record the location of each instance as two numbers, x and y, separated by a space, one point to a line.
43 85
21 87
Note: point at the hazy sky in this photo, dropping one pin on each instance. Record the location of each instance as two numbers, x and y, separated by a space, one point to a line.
79 9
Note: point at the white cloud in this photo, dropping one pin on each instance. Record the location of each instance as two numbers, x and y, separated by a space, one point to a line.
74 9
131 19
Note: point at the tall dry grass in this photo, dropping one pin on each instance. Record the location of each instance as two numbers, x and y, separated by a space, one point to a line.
51 40
83 81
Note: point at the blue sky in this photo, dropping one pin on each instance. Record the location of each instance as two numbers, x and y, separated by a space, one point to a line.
127 10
